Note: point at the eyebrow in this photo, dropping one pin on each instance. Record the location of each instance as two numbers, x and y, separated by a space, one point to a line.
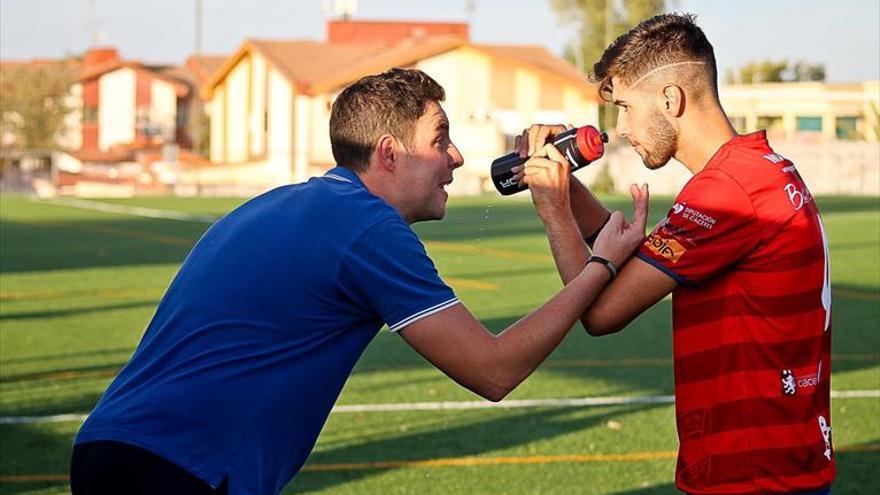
619 102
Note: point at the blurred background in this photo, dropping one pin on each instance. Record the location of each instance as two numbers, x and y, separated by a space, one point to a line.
218 97
128 127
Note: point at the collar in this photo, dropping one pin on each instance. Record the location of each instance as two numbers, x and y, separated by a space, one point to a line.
755 141
342 174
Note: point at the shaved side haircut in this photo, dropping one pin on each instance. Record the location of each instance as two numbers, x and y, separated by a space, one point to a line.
670 42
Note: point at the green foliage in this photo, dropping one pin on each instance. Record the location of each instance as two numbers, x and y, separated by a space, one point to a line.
599 22
34 101
771 71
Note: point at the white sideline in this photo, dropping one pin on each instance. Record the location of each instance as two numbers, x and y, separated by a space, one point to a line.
456 406
138 211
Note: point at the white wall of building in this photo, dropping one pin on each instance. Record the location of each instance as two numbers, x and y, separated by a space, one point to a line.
163 108
116 108
789 101
257 116
236 120
70 137
218 124
828 167
302 130
321 154
297 140
280 101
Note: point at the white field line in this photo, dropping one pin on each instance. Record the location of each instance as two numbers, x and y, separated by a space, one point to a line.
457 406
138 211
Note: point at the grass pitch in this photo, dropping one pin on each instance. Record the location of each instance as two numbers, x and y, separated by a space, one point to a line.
79 286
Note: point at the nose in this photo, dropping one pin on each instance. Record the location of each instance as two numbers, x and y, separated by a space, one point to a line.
455 156
622 127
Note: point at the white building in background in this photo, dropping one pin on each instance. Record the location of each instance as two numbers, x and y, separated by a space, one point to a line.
807 111
270 102
127 104
829 131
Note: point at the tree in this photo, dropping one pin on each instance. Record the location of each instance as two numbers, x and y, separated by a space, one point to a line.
598 23
803 71
770 71
34 103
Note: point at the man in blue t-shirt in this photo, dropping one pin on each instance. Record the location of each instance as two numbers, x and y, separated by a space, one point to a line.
258 332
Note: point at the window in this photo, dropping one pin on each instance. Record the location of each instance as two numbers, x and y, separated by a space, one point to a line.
809 124
847 128
770 122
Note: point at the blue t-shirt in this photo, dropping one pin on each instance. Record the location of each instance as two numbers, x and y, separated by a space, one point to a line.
252 343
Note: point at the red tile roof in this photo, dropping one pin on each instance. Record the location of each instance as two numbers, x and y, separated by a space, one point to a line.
202 67
315 67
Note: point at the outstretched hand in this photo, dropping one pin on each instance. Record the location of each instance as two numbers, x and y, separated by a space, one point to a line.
619 238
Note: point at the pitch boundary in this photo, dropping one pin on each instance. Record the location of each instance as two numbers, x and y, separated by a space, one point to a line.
463 405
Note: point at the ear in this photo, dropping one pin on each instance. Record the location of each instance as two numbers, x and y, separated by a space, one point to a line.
672 100
385 152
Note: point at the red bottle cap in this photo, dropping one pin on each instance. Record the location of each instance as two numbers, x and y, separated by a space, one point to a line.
591 142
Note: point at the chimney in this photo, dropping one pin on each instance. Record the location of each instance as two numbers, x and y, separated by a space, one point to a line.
99 55
390 32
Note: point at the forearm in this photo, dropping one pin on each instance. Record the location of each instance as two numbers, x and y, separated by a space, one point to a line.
589 213
518 350
570 253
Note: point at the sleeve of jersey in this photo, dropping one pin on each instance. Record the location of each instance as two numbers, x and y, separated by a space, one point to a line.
388 269
710 227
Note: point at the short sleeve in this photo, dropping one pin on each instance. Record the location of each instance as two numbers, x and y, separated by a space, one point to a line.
388 269
711 226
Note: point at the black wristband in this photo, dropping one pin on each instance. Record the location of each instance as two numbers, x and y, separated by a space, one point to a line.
608 264
590 239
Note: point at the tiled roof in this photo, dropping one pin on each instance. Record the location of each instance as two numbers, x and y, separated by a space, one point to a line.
182 81
203 66
315 67
539 57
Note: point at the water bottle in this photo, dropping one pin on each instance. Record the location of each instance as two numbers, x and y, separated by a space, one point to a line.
581 146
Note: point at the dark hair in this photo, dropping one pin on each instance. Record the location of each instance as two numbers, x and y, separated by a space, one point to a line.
661 40
386 103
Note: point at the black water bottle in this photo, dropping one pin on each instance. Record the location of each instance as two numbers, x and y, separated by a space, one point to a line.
581 146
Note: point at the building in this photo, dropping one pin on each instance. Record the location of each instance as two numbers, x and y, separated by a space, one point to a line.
129 104
127 120
270 102
830 131
806 111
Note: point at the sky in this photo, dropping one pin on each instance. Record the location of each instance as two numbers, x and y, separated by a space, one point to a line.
842 34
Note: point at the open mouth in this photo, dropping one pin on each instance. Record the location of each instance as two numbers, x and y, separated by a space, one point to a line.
443 185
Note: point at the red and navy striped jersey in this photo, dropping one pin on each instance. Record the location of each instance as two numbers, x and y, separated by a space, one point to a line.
751 325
